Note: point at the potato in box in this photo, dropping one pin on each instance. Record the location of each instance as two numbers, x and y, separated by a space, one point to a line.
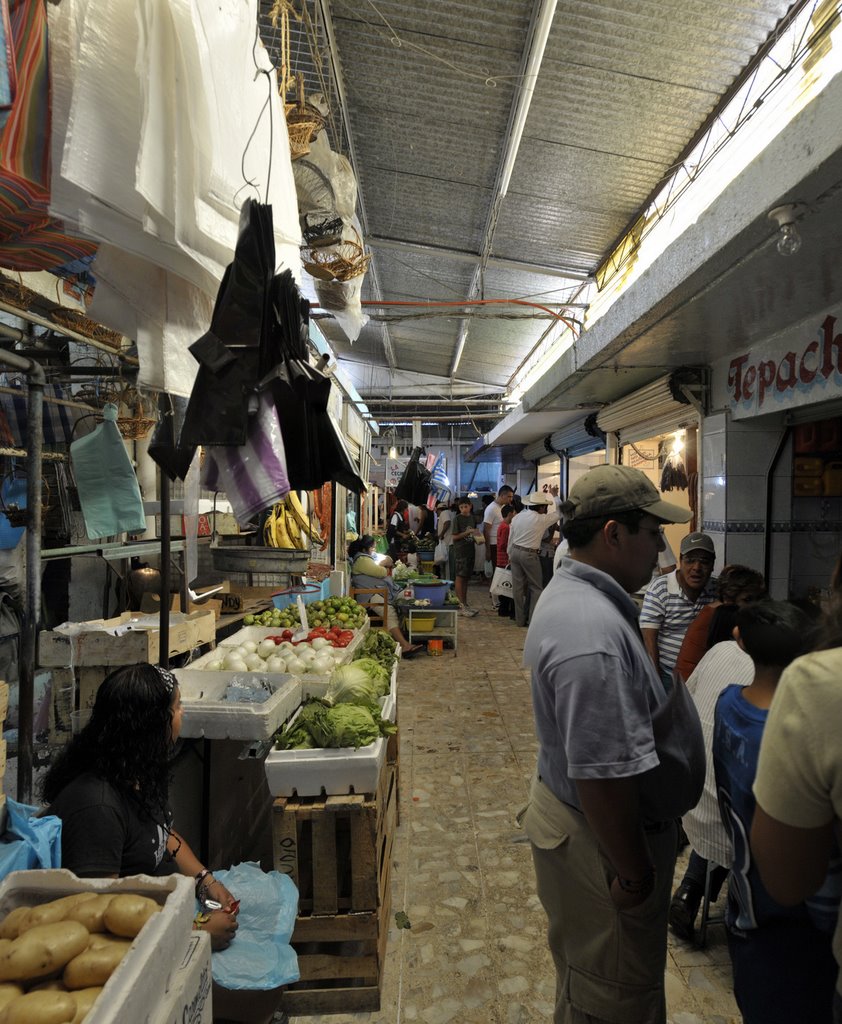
146 964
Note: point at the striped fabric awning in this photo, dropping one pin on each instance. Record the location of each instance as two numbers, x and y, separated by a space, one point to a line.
29 238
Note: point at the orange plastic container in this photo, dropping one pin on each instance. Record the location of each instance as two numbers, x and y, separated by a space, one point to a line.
435 647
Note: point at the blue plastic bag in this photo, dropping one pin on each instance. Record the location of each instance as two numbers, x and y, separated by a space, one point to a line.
260 957
29 842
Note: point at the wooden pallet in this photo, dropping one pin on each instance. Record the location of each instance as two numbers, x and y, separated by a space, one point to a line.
338 851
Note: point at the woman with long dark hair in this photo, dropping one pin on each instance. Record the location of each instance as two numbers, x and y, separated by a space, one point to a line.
369 574
110 788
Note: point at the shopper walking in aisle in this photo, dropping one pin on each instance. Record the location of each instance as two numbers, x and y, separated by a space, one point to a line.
398 532
492 517
505 605
673 601
525 535
618 762
465 534
782 957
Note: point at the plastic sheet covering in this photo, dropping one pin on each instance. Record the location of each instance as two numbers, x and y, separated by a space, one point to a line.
151 118
108 489
260 958
29 841
254 475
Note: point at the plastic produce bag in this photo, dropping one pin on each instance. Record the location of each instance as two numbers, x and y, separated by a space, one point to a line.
29 842
414 484
260 957
253 475
108 489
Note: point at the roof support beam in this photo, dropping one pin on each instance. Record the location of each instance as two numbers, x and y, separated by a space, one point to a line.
543 13
464 256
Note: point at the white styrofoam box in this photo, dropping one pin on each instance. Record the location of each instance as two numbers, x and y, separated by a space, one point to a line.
316 686
206 714
309 772
147 969
188 999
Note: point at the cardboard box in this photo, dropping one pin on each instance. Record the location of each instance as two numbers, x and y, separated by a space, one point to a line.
241 598
126 640
148 968
188 999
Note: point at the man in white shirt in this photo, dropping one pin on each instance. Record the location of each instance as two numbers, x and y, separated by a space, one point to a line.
525 535
492 518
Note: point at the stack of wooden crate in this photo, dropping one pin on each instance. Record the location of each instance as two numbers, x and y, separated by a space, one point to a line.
79 660
338 851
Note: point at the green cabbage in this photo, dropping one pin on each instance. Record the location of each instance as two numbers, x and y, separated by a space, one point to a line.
376 672
346 725
351 684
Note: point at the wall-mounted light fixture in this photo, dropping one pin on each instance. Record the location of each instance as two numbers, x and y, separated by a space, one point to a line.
789 240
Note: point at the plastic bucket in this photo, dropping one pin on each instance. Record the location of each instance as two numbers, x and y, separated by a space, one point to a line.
435 647
435 593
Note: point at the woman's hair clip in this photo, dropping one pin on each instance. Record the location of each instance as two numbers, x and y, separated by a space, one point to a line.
168 679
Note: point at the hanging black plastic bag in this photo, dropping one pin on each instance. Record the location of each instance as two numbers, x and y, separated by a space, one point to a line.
163 445
238 348
414 484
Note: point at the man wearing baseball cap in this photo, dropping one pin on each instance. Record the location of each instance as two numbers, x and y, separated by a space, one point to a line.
673 601
618 761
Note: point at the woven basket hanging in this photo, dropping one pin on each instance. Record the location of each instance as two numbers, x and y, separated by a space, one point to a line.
342 262
304 122
15 293
78 322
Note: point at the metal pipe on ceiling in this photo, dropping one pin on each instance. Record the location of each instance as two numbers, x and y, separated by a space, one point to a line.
388 402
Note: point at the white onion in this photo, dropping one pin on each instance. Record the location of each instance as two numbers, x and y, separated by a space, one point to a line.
295 666
255 663
286 646
214 666
323 665
249 646
267 648
276 664
307 654
319 643
234 664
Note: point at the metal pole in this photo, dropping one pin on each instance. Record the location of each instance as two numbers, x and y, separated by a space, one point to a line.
164 622
32 614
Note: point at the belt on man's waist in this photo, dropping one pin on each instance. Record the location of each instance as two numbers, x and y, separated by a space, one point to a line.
653 827
534 551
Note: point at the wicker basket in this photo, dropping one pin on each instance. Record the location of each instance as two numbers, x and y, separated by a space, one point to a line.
15 293
81 324
304 122
341 262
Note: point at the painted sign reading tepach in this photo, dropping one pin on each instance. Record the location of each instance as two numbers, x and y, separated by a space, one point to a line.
786 372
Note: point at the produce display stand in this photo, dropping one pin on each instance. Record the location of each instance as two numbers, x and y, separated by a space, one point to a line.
338 851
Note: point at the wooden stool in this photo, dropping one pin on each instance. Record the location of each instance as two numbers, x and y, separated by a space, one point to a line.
377 618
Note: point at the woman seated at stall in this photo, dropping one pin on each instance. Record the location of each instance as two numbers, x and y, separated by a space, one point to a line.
110 787
367 573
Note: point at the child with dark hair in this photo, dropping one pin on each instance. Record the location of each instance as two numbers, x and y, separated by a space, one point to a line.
784 969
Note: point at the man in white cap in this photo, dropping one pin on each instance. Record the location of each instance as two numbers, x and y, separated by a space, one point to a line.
673 601
617 762
527 529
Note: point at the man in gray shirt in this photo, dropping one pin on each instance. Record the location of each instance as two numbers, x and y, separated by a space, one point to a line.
612 774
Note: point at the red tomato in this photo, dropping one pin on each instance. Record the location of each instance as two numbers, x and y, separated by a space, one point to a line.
286 635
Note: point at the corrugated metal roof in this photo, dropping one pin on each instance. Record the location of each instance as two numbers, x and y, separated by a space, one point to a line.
430 85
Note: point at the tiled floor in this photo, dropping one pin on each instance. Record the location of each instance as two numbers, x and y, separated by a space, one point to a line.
476 952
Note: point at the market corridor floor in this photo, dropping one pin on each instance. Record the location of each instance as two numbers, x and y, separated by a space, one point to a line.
476 951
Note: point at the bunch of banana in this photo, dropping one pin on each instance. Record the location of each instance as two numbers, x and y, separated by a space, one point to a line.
294 508
287 526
